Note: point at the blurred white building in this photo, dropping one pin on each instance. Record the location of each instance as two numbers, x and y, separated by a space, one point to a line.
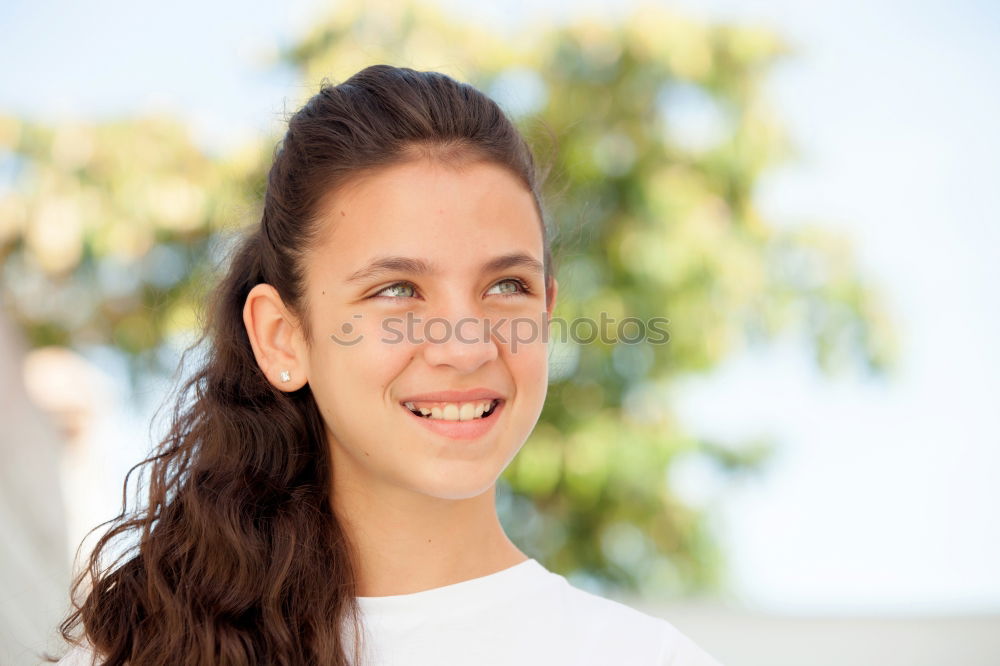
51 487
34 571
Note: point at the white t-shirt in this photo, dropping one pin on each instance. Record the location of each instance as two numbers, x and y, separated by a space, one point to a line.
524 615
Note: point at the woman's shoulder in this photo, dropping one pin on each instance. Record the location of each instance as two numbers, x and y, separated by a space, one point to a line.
598 618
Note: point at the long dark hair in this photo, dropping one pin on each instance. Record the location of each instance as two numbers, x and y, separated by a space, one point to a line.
240 558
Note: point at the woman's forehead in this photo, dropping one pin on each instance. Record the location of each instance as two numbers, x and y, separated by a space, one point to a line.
389 264
439 215
421 186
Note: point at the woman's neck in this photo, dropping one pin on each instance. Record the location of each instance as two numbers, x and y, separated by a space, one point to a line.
405 543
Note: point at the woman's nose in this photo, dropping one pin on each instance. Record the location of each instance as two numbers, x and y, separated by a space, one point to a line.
461 341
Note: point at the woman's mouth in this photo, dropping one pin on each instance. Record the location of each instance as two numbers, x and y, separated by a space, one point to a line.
470 420
454 411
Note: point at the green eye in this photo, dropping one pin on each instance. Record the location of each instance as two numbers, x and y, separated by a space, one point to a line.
397 285
520 289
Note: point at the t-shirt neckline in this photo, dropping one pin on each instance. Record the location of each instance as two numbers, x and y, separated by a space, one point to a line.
499 583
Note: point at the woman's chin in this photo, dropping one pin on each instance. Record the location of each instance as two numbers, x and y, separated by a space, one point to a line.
459 483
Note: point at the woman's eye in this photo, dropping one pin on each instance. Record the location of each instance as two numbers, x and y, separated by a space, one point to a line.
518 288
394 287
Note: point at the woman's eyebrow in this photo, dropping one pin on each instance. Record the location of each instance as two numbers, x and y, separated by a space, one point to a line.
395 264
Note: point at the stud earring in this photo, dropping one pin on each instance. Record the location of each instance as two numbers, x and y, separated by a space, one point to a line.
286 376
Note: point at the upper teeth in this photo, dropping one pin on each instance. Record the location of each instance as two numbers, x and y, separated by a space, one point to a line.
452 411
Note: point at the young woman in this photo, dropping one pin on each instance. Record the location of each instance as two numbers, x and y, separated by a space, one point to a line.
326 496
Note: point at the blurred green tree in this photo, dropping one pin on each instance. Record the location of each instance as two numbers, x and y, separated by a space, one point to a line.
656 134
110 232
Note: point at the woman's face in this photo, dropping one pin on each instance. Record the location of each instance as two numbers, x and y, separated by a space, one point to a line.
409 294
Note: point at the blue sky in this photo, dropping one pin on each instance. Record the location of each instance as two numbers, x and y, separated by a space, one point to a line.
889 489
884 496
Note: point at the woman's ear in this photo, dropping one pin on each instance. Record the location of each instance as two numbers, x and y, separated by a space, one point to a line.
550 296
276 338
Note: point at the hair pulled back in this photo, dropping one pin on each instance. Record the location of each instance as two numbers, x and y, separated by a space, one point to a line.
239 558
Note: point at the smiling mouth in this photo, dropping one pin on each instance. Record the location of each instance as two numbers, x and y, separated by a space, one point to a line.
442 414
